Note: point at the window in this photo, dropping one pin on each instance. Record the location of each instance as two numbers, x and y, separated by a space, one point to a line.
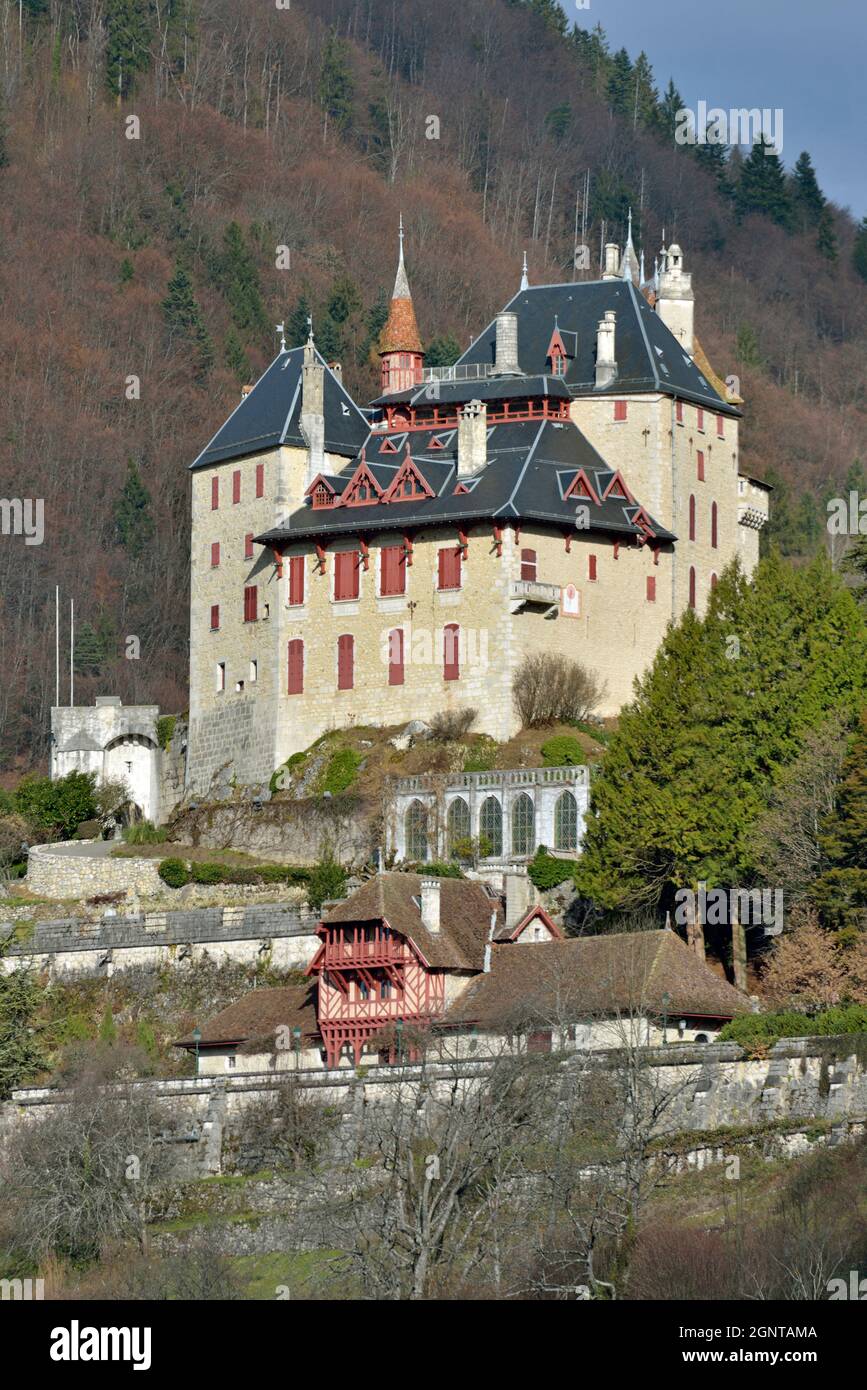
451 652
345 661
215 616
322 497
296 581
450 569
345 575
260 480
678 412
566 822
385 989
558 364
700 414
651 588
239 687
248 546
591 567
251 603
691 587
221 676
236 486
392 571
714 518
620 410
363 991
720 427
395 657
700 465
528 565
215 554
458 823
415 832
713 581
254 672
231 1061
215 494
692 518
523 825
296 668
491 827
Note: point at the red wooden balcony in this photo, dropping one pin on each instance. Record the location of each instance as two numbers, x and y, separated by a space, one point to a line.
351 947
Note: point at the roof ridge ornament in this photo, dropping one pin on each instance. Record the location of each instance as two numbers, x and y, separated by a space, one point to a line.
525 281
281 329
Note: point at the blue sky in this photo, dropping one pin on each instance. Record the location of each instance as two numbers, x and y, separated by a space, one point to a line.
805 56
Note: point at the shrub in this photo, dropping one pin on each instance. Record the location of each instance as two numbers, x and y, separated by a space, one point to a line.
563 751
438 869
341 772
174 872
57 807
208 873
451 724
327 880
282 776
482 757
13 834
549 688
547 872
144 832
88 830
769 1028
166 729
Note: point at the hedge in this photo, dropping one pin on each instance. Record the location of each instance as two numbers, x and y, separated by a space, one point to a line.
547 872
176 873
750 1029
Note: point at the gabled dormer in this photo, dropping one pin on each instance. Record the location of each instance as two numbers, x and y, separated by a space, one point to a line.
362 490
408 485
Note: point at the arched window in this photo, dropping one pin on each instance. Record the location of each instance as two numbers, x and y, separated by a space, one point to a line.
713 525
566 822
691 587
523 825
458 822
692 518
491 826
415 828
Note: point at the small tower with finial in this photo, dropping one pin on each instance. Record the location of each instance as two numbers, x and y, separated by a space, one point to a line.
400 349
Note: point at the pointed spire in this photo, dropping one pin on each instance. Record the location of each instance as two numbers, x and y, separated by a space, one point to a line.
629 261
642 280
400 333
401 284
525 279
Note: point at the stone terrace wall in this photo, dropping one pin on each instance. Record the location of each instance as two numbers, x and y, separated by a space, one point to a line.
55 873
76 946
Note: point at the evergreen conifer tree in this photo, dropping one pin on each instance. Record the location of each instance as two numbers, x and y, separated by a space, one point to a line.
762 186
184 319
336 87
859 250
134 523
129 40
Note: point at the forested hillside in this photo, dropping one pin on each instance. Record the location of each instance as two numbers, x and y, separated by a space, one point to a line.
177 177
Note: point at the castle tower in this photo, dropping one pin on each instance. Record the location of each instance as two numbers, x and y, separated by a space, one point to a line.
400 349
674 301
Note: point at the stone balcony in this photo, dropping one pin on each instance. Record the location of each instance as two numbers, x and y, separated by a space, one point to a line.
530 593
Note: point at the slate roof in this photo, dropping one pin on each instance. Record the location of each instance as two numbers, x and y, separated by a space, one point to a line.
530 466
270 415
595 976
649 357
254 1019
494 388
465 916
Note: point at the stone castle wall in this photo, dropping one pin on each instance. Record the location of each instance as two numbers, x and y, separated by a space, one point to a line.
61 871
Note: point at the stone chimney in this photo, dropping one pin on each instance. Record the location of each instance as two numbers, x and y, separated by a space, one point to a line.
313 411
674 301
507 345
472 438
606 360
430 904
519 895
612 261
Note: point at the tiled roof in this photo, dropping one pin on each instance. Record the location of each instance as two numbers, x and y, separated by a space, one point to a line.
400 333
595 976
255 1018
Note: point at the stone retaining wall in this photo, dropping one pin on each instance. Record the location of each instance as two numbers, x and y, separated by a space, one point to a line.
55 874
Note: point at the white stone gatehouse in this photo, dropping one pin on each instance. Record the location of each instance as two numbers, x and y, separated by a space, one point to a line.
116 742
505 815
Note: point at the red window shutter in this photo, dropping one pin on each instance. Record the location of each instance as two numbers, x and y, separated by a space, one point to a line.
236 485
296 581
215 616
720 427
215 554
701 419
392 574
451 652
345 575
251 603
260 480
345 661
651 588
450 569
713 581
296 667
700 458
713 525
691 587
528 565
678 412
215 494
620 410
591 566
395 657
248 546
692 518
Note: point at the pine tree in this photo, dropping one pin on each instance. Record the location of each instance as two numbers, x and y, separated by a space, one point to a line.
127 271
336 88
859 250
184 319
845 832
21 1056
826 237
645 98
666 114
620 84
443 352
329 339
4 147
297 325
89 651
344 301
239 280
129 40
762 187
712 156
748 353
134 523
808 196
236 358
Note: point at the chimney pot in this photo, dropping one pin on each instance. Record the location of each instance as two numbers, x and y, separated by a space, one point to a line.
472 438
612 261
507 345
606 360
430 904
519 895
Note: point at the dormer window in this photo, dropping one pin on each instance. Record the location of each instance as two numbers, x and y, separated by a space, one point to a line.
322 497
558 364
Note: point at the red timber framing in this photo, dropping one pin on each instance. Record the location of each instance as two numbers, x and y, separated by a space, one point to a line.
581 486
369 977
322 492
362 488
401 418
408 484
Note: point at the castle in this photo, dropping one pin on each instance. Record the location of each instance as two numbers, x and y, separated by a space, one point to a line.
569 486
